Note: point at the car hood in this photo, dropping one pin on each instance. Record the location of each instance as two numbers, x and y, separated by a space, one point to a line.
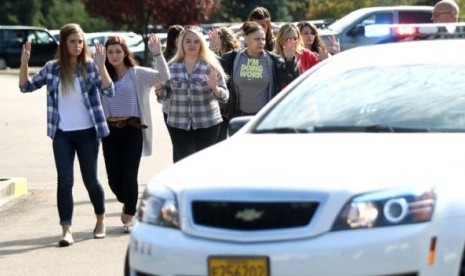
351 162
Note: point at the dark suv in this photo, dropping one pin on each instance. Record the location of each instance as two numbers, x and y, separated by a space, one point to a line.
44 45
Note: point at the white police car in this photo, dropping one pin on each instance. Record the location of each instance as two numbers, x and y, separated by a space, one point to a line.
357 168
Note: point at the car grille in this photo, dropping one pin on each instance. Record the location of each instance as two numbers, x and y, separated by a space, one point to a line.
249 216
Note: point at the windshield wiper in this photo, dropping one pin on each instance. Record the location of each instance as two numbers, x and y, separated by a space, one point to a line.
282 130
368 128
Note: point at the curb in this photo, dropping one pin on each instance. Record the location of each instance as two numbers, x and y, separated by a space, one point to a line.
12 188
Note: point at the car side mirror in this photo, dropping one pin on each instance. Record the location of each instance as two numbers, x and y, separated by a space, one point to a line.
237 123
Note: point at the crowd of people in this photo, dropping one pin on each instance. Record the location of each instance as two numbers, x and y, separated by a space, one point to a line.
200 85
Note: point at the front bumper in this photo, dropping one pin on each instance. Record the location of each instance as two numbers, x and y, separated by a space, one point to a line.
399 250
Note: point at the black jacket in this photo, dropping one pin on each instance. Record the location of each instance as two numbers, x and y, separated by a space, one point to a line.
284 72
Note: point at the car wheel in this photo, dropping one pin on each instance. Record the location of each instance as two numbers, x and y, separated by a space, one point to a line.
2 63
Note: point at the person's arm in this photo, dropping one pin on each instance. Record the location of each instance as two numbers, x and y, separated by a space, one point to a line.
216 82
24 68
100 55
154 46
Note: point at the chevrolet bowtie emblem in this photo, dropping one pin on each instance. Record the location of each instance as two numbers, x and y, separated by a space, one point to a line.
249 214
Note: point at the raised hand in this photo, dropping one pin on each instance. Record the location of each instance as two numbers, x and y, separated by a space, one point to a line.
26 52
154 44
323 52
212 78
214 39
100 54
334 46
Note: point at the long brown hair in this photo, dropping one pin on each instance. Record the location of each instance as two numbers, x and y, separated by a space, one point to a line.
171 36
317 42
67 69
128 60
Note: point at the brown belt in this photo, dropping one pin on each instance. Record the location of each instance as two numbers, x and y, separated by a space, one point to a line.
131 122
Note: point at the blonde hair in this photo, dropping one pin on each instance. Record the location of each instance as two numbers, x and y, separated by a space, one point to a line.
205 54
67 69
285 32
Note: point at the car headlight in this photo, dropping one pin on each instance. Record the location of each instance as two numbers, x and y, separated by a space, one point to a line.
159 206
386 208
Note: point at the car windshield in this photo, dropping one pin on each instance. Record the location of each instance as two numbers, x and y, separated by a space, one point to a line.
400 98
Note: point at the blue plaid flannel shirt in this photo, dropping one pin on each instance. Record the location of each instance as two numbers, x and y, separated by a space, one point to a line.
49 75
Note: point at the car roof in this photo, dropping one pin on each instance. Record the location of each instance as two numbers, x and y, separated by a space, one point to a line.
21 27
403 53
396 8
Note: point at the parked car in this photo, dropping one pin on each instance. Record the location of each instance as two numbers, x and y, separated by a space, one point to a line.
135 43
356 168
44 46
350 29
55 34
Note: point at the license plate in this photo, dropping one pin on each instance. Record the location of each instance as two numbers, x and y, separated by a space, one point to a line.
238 266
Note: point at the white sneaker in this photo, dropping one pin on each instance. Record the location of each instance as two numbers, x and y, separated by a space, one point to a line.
67 240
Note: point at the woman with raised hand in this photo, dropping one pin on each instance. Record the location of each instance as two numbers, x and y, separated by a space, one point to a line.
196 87
75 119
313 41
129 117
289 43
255 74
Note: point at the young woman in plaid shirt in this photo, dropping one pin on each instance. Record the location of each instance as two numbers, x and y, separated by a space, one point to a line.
196 87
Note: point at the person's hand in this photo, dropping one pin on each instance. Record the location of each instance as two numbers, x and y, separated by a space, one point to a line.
212 78
289 49
154 44
334 46
26 52
323 52
100 54
158 89
214 39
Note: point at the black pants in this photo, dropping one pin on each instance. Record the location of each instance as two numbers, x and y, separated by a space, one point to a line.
187 142
223 133
122 151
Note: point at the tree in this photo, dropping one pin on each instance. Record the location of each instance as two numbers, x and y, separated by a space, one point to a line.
238 10
140 15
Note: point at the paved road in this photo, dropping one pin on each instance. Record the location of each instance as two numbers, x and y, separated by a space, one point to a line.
29 228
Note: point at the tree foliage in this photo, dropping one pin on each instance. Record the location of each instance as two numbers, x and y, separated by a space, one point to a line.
101 15
238 10
137 15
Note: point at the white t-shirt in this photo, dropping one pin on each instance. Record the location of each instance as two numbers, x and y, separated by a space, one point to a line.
72 109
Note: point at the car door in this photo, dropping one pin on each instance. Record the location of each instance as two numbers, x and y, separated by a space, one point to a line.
354 36
43 47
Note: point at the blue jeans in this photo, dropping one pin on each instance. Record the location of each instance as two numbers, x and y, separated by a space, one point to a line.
84 143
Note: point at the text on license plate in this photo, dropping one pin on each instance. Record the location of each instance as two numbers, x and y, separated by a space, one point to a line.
238 266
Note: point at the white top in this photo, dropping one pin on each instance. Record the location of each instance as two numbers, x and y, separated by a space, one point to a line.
72 109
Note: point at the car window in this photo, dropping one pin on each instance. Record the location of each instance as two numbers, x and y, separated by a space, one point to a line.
410 17
39 37
425 97
92 41
13 38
